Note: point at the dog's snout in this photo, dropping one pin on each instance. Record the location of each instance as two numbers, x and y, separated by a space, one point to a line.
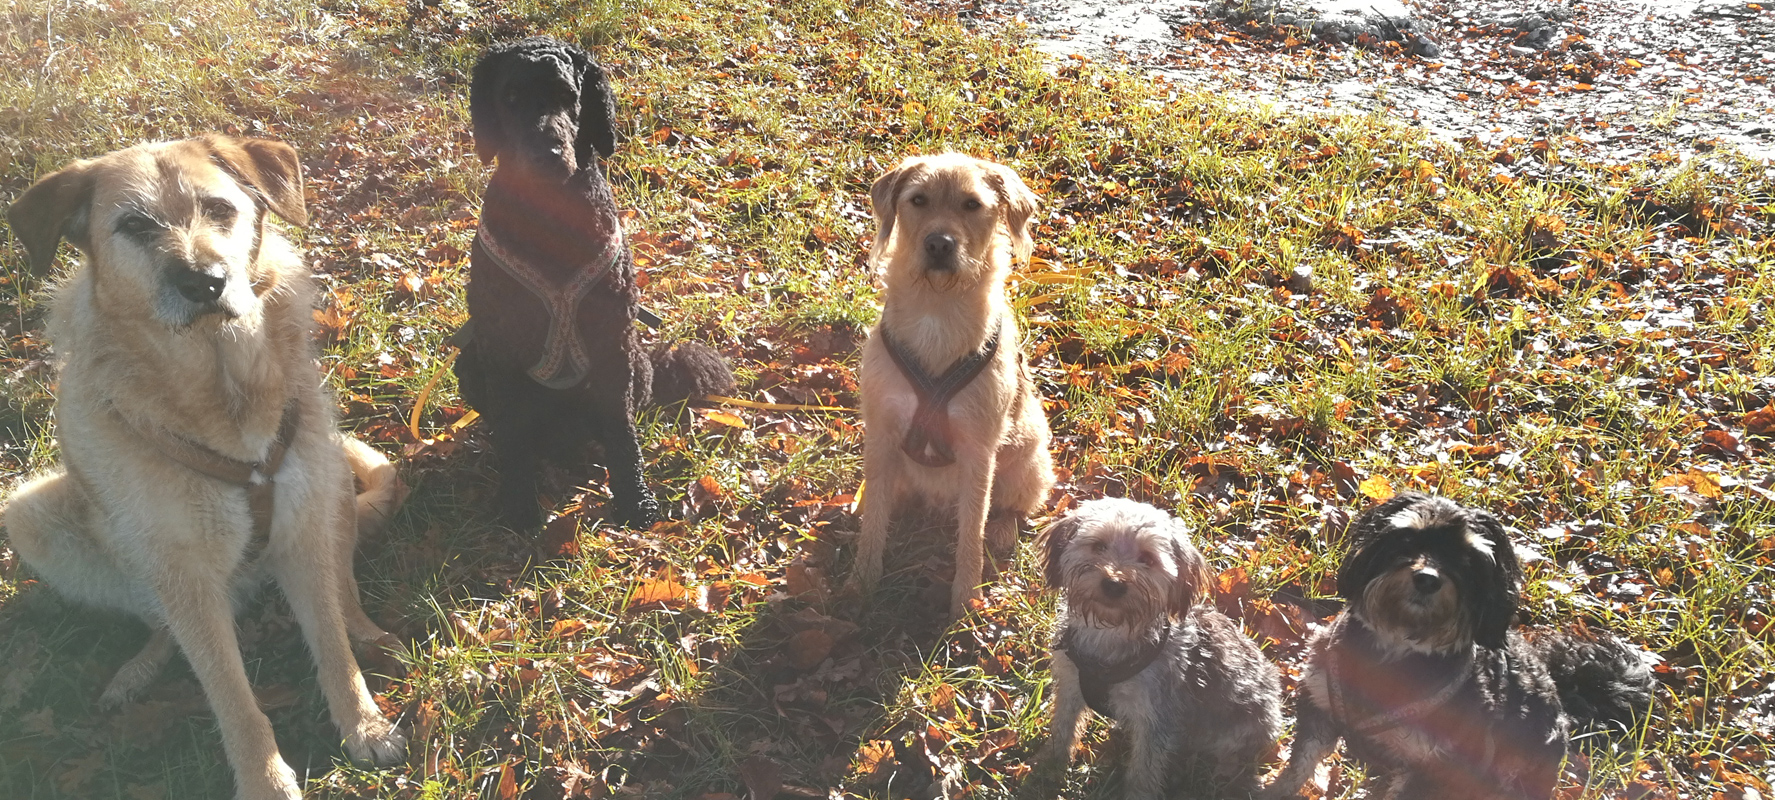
199 284
1114 587
1426 580
940 245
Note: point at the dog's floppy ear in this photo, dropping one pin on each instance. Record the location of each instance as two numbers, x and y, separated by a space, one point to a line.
1499 590
55 207
884 198
1019 204
1193 575
597 111
483 103
270 170
1053 541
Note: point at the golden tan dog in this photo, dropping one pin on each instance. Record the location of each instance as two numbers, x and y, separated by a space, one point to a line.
200 450
948 406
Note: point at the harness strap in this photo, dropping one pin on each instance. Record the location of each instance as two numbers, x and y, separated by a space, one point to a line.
929 439
564 363
1398 716
1097 676
254 476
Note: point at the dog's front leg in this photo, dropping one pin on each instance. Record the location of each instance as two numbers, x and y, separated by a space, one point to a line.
1069 714
309 577
1152 747
1315 736
200 615
975 477
635 506
882 463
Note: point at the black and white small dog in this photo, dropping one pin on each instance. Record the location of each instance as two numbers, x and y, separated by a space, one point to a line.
1424 679
1200 702
552 356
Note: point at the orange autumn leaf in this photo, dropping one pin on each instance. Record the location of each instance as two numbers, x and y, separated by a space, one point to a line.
1377 487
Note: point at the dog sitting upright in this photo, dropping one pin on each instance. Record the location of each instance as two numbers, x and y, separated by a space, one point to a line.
1423 678
1136 643
200 446
948 405
552 356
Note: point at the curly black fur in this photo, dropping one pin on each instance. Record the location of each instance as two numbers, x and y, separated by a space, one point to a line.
544 110
1454 705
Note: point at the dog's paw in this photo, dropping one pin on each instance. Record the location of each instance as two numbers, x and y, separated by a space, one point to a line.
278 783
640 517
376 743
965 602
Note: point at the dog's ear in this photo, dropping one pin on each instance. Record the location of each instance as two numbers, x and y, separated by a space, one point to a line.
597 110
1019 204
55 207
884 198
270 170
1193 575
1053 541
483 103
1500 589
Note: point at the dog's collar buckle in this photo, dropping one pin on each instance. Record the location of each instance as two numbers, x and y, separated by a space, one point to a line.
930 440
1096 676
564 362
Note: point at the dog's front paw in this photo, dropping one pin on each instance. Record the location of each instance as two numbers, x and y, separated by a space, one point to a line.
277 783
376 743
640 517
963 602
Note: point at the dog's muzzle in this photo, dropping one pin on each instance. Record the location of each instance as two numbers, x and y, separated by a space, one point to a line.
939 252
201 285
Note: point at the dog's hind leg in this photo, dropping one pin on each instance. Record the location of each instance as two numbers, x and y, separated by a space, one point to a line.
357 624
50 523
634 506
139 671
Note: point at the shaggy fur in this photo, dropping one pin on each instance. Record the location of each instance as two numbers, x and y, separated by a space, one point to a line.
948 228
544 111
190 322
1423 678
1209 706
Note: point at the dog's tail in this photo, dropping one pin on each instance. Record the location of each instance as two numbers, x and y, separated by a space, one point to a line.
687 371
1602 680
380 490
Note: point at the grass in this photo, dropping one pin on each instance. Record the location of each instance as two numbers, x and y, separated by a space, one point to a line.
1579 349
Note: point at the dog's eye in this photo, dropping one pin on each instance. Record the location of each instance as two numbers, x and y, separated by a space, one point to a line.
1148 560
919 200
137 225
219 211
1098 545
973 204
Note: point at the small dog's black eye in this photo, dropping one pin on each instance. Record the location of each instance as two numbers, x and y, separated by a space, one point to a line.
973 204
137 225
219 211
919 200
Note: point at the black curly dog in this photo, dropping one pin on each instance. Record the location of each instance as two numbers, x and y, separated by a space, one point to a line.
1424 679
551 356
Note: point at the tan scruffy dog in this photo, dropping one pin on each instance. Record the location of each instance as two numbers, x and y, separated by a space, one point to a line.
1136 643
201 452
947 402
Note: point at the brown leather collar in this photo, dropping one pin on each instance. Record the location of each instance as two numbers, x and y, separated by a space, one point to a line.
254 476
929 439
1096 676
564 362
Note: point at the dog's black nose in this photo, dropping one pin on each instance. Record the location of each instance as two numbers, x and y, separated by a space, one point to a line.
1115 587
939 246
1426 581
199 285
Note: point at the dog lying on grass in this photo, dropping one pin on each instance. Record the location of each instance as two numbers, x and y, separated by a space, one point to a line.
950 411
1136 643
200 450
552 357
1423 678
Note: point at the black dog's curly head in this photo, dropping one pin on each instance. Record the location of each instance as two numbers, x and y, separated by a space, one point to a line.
1429 575
541 104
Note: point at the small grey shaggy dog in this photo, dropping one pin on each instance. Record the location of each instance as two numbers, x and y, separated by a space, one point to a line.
1137 644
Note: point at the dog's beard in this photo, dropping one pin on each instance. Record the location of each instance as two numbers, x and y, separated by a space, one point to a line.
1409 621
1137 609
